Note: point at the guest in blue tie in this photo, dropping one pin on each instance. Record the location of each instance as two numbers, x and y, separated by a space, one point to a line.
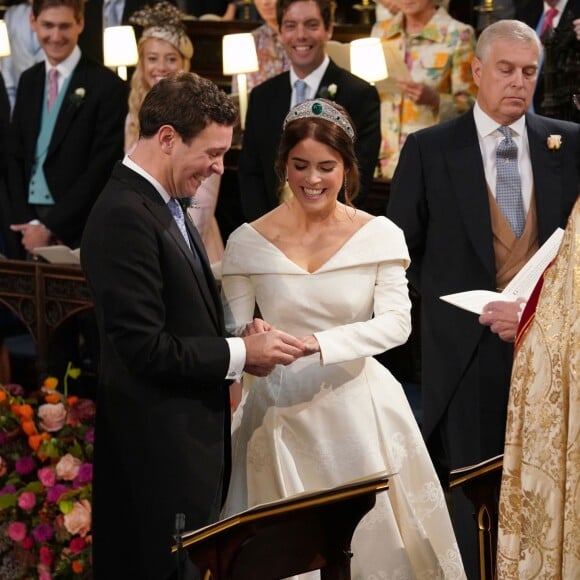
476 196
162 442
305 26
24 47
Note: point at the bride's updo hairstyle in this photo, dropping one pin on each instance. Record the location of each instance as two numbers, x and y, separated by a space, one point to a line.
328 123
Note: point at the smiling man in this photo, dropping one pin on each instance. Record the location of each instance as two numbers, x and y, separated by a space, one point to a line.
65 136
305 26
162 427
66 131
475 197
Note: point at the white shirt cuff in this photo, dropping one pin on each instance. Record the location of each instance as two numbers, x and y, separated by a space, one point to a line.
237 348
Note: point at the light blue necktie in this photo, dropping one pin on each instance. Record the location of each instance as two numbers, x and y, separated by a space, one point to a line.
177 213
508 190
300 89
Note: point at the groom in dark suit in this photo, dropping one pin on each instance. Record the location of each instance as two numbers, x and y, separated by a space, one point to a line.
305 26
63 141
444 197
163 415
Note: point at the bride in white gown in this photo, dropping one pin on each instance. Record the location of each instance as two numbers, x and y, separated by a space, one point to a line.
335 277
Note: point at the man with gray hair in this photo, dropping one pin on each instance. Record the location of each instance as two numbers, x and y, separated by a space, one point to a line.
476 196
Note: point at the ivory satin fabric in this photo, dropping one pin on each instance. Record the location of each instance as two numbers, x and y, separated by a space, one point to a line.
316 424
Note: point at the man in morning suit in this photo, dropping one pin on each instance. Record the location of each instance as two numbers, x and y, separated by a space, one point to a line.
162 439
305 26
553 21
66 131
444 196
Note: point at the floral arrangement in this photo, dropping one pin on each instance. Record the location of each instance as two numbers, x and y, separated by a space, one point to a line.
46 471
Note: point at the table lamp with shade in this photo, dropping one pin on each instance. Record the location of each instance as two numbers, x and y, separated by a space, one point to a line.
239 58
4 41
120 48
367 60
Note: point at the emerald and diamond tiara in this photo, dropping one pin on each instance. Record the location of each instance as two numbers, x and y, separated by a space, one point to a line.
320 108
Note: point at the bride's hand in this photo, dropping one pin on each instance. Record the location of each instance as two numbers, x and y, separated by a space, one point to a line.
310 344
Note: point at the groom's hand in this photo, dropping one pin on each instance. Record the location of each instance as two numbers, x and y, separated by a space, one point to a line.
270 348
257 325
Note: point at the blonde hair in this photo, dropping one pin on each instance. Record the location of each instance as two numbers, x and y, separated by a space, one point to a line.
163 22
138 91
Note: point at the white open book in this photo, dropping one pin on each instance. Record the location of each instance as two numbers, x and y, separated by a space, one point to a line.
59 254
521 285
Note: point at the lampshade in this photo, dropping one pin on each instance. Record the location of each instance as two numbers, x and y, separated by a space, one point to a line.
367 59
239 54
4 42
120 46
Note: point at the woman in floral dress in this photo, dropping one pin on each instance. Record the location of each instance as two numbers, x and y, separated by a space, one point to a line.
438 51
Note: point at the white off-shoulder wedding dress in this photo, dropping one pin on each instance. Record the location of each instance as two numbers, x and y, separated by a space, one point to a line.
331 418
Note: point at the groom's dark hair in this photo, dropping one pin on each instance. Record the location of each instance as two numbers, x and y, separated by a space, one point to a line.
187 102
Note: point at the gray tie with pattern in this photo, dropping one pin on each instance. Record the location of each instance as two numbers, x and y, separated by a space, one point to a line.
508 190
177 213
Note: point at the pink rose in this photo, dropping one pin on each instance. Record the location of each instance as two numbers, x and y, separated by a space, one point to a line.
3 466
68 467
16 531
83 411
47 476
78 520
43 572
26 500
52 416
77 545
45 556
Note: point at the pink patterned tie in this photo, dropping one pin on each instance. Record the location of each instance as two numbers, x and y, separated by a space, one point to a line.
549 20
52 87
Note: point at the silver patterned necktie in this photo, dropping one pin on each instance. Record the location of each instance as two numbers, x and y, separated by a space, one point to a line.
508 190
177 213
300 89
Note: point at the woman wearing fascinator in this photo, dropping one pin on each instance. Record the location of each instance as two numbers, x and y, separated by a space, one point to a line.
335 277
165 48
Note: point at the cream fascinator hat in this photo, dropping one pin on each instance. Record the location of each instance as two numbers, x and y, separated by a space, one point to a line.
163 21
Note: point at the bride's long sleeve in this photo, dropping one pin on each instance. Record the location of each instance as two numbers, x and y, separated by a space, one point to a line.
239 302
389 327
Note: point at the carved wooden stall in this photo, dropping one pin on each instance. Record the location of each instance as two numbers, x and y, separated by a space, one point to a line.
43 297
